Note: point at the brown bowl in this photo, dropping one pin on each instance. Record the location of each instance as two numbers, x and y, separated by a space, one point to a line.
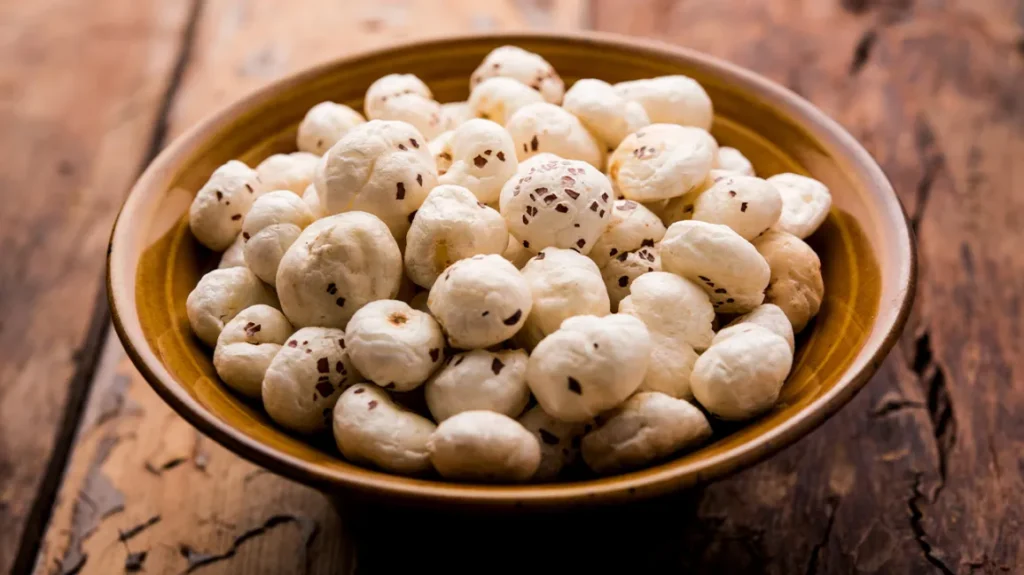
865 246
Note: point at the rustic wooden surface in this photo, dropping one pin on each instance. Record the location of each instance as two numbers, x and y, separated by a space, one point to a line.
921 473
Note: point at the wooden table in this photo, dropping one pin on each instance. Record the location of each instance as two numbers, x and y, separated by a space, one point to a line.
922 472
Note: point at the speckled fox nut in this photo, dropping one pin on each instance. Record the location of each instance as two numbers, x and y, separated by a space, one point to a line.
393 345
589 365
649 426
661 161
219 296
529 68
441 148
479 379
454 114
733 160
234 256
672 305
671 100
306 377
559 441
796 285
215 216
516 253
618 274
324 125
292 172
482 158
380 167
497 99
424 114
740 377
336 266
561 203
632 226
391 86
564 283
246 346
607 115
746 204
370 428
805 204
670 367
681 208
480 301
719 260
546 127
270 228
768 316
483 446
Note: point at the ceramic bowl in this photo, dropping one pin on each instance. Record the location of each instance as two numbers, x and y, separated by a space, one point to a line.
865 246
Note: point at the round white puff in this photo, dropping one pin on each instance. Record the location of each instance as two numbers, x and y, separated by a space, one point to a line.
479 379
380 167
632 226
671 100
681 208
516 253
527 67
369 427
270 228
390 86
215 216
483 446
499 98
672 305
454 114
337 265
618 274
805 204
661 161
719 260
740 377
564 283
306 377
424 114
480 301
234 256
561 203
649 426
219 296
733 160
292 172
559 441
607 115
671 365
325 124
451 225
441 148
312 200
544 127
483 158
796 285
590 365
247 345
746 204
768 316
394 345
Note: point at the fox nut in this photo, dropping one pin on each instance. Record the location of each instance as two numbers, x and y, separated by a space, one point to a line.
516 253
325 124
292 172
482 158
681 207
766 315
454 114
559 441
312 200
480 301
393 345
632 226
369 427
527 67
234 256
589 365
795 285
215 216
272 225
733 160
746 204
564 283
479 379
247 345
391 86
670 100
607 115
672 305
499 98
483 446
671 366
544 127
219 296
805 204
619 272
661 161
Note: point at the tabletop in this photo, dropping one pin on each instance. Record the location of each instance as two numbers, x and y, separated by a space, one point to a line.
922 472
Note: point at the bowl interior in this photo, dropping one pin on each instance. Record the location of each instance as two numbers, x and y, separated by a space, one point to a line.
864 247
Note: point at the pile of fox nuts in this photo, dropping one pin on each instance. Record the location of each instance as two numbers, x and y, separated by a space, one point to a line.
507 289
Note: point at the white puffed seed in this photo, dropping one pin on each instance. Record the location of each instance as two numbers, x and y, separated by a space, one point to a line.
215 216
618 274
564 283
661 161
441 148
559 441
483 446
649 426
479 380
497 99
247 345
607 115
527 67
422 113
681 208
560 203
671 366
671 100
589 365
544 127
219 296
270 228
337 265
451 225
370 428
483 158
325 124
632 226
746 204
454 114
390 86
805 204
768 316
719 260
292 172
393 345
796 285
733 160
672 305
480 301
306 377
516 253
312 200
234 256
740 377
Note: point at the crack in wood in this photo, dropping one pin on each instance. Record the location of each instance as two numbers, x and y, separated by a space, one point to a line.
97 500
916 515
198 559
932 160
133 561
892 406
833 508
862 51
127 534
939 405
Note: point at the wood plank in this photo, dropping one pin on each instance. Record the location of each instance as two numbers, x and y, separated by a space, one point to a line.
81 88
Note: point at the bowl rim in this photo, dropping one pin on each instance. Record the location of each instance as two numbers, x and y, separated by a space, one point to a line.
616 488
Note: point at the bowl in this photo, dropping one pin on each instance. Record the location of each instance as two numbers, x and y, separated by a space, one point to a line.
865 245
